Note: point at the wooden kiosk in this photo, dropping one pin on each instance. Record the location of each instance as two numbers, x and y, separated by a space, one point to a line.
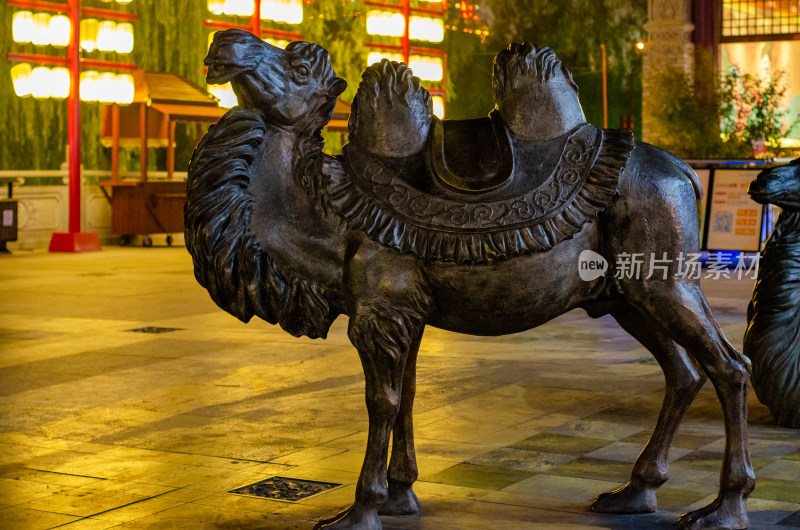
160 100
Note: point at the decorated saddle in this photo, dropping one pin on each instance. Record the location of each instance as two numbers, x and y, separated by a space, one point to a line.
480 217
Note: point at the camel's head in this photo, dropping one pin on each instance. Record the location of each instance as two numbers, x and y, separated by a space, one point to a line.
534 93
779 186
285 85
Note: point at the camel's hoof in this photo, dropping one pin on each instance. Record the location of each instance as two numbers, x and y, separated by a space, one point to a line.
402 501
727 514
626 499
353 518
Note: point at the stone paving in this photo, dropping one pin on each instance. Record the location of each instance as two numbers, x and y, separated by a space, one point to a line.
106 424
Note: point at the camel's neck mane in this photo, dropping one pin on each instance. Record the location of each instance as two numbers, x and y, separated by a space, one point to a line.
228 260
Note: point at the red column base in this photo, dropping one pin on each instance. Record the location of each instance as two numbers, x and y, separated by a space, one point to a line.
74 242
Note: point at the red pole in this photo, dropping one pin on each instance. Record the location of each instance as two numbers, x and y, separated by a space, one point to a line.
605 89
404 39
74 117
74 240
255 19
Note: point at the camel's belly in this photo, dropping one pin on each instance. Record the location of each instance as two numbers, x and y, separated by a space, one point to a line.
514 295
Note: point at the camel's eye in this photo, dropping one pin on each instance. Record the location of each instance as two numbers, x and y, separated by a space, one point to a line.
302 72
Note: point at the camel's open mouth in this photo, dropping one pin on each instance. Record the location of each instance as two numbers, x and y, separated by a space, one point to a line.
220 72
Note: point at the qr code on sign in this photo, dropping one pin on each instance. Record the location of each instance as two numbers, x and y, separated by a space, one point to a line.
723 222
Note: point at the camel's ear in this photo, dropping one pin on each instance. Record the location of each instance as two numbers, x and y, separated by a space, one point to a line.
337 87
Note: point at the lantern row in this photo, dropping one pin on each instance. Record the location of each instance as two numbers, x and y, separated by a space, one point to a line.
41 29
288 11
42 82
393 24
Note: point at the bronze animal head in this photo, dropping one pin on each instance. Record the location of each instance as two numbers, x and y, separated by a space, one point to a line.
779 186
534 93
284 85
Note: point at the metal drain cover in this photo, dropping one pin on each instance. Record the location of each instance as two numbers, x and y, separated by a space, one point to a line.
152 329
285 489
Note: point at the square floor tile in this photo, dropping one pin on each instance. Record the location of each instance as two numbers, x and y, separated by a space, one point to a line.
475 476
560 443
520 459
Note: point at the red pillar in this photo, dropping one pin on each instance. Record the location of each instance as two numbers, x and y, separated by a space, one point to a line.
74 240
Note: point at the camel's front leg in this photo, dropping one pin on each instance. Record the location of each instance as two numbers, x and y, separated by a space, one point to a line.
384 336
403 463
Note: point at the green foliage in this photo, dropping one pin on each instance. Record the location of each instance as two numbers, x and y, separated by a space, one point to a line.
575 29
751 106
705 115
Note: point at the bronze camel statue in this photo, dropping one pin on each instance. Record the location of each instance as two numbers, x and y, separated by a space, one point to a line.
772 338
472 226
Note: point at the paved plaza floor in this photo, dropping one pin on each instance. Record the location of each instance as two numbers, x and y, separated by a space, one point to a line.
105 424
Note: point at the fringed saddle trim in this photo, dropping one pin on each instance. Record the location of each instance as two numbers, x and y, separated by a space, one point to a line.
369 197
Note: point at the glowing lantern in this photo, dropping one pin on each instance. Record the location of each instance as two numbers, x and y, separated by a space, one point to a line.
124 89
21 77
59 83
424 28
89 86
242 8
227 98
129 1
22 26
60 30
386 23
124 38
41 27
427 68
89 30
289 11
278 43
375 57
40 82
106 36
107 83
438 106
216 6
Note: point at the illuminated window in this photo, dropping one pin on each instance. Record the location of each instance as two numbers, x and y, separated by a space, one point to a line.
438 106
745 18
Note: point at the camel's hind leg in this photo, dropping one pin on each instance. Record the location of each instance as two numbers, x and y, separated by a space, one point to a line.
403 462
683 381
681 309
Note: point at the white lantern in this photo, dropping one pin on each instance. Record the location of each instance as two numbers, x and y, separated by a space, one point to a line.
123 1
216 6
289 11
376 57
438 106
107 83
106 36
41 27
278 43
89 86
40 82
225 95
22 27
425 28
60 81
125 89
124 38
89 29
386 23
21 78
60 29
427 68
